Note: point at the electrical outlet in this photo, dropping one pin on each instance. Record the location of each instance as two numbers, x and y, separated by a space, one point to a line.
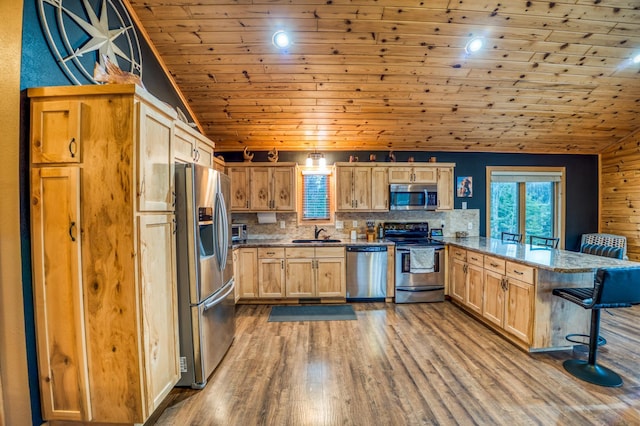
339 224
470 226
283 224
355 224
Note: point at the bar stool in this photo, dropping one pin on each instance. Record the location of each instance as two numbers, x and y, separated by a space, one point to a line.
544 241
613 288
511 237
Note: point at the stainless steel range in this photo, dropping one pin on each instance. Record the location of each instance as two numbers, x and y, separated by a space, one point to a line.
419 262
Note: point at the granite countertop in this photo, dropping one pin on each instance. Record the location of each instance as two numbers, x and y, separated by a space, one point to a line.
287 242
537 256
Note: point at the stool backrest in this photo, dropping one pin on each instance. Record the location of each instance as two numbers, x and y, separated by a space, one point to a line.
599 250
616 287
510 236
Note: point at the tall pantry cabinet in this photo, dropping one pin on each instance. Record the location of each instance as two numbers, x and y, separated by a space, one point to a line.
103 252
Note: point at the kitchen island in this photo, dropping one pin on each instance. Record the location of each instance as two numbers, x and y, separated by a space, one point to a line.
508 286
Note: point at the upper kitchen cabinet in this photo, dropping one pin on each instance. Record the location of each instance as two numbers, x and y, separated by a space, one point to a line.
155 178
361 187
413 174
103 254
56 133
192 147
445 188
258 187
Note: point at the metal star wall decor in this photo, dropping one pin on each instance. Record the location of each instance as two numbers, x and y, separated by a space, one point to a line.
80 33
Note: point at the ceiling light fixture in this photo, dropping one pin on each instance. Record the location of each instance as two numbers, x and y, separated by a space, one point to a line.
636 59
280 39
474 45
316 158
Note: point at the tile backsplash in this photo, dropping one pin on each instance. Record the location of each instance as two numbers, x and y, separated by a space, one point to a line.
451 221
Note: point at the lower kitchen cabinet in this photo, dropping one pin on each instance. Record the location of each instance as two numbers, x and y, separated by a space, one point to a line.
271 272
315 272
500 292
290 273
245 272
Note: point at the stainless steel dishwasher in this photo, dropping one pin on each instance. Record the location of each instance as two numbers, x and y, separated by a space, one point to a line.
366 272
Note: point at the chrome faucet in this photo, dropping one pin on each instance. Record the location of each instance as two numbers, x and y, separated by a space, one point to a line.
317 231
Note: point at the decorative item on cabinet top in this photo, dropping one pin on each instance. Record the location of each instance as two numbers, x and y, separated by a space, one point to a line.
247 155
273 155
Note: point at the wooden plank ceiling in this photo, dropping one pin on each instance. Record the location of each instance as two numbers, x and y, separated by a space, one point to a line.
553 77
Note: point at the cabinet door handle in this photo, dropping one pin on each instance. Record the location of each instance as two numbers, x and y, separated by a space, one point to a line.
518 272
282 264
71 229
175 226
495 265
72 147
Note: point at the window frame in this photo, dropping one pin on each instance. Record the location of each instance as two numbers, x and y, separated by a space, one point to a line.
330 172
559 197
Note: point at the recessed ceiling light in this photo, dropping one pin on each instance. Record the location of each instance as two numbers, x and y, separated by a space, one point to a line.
280 39
474 45
636 59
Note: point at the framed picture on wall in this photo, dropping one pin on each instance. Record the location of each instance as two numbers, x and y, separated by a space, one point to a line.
464 186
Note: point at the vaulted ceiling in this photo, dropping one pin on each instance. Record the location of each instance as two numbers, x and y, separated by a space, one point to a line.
552 77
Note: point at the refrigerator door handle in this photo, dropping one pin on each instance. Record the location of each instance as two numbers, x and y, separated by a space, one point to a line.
221 224
215 301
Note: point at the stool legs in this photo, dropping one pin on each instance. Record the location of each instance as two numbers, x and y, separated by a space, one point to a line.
589 371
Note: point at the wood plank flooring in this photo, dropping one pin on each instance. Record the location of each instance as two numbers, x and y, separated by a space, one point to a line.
414 364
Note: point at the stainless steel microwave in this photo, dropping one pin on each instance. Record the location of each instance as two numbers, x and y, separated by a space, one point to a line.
413 197
238 232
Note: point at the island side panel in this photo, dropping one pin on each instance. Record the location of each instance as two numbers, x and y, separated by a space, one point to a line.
556 317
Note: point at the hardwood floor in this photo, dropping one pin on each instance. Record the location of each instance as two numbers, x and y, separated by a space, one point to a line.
412 364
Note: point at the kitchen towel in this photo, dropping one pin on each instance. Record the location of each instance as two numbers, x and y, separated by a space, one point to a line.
421 259
266 217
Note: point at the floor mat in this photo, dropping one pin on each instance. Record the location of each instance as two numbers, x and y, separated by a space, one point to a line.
312 313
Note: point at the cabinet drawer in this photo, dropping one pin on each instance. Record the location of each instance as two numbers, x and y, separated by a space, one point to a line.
271 252
329 251
300 252
494 264
520 272
475 258
459 254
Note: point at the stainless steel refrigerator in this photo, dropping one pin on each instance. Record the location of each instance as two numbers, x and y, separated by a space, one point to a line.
205 271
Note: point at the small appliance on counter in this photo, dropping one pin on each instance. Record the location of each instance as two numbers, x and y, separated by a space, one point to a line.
238 232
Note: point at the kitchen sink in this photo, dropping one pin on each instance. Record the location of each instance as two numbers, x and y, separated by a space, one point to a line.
310 241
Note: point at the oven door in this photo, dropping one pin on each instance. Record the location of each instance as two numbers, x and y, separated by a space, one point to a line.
418 287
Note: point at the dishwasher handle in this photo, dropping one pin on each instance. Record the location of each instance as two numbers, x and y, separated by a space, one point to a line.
366 248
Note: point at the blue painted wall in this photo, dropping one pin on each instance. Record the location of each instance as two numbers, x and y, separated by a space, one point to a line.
581 179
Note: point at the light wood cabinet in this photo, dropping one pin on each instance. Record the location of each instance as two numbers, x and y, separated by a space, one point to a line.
499 291
413 174
192 147
239 188
58 293
259 188
271 276
445 188
272 188
458 276
56 132
103 253
362 187
246 273
379 188
353 187
466 278
155 177
315 272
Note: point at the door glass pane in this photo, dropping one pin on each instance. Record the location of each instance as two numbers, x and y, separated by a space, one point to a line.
539 209
504 208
